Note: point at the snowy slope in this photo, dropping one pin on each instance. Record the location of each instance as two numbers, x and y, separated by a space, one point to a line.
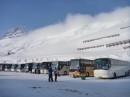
27 43
64 46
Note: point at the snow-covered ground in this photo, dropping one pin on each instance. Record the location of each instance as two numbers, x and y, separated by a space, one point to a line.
14 84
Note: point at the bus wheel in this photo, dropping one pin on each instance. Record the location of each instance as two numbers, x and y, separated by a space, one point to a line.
114 75
87 74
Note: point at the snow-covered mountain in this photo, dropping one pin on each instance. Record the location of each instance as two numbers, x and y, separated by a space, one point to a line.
17 32
90 42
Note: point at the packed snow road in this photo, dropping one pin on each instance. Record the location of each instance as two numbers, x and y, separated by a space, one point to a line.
14 84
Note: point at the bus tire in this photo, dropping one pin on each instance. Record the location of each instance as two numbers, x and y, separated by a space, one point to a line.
87 74
114 75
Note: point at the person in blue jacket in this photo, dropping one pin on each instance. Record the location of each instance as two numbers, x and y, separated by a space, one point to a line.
50 74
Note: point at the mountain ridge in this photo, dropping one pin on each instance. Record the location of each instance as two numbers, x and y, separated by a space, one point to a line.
17 32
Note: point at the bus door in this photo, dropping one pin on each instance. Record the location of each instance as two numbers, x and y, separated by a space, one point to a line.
60 65
82 68
30 65
89 68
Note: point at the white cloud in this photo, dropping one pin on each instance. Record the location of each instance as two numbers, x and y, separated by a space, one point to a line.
77 21
117 15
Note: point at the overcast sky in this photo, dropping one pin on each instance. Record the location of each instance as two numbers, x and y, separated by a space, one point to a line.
36 14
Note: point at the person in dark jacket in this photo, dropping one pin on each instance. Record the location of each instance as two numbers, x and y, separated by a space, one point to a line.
55 73
37 70
50 74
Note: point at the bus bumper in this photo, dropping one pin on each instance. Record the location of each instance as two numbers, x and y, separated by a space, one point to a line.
76 74
101 74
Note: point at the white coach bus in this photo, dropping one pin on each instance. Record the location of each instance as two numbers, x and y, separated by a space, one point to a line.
110 68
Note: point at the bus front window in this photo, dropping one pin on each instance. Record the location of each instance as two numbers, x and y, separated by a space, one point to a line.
74 64
34 66
53 65
15 66
12 67
26 66
102 64
18 67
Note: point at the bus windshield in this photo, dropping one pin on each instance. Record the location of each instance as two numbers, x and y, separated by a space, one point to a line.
45 65
26 66
74 64
102 64
0 66
18 67
34 66
13 66
53 65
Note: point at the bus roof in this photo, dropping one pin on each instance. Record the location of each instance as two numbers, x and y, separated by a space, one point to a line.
82 59
112 59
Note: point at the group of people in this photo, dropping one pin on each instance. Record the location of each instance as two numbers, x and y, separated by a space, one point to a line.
51 75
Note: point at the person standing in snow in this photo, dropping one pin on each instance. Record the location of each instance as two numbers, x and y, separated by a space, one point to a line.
50 74
55 73
38 70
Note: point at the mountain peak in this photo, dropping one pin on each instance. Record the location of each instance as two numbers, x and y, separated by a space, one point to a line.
17 32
